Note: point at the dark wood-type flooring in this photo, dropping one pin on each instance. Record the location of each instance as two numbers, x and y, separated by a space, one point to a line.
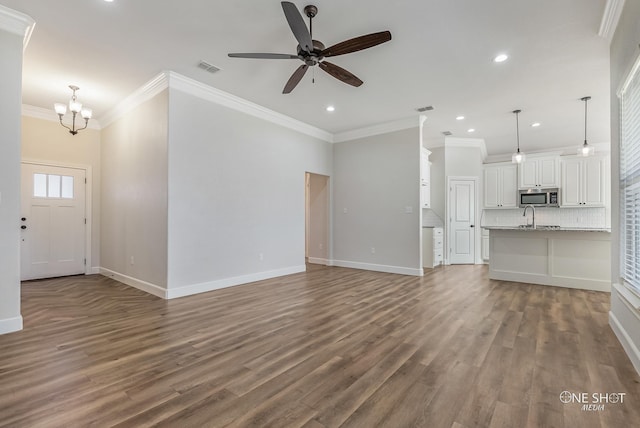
327 348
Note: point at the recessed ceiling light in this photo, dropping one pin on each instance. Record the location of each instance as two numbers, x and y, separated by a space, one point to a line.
331 108
501 58
535 124
471 130
460 118
108 1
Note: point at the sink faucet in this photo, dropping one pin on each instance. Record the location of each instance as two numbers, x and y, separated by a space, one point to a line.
533 217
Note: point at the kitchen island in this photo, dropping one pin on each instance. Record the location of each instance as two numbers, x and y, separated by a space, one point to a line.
551 255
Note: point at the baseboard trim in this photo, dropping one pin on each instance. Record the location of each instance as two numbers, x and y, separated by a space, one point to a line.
11 325
630 348
318 261
378 268
188 290
147 287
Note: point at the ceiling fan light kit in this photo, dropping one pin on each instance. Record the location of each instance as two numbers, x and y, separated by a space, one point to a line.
313 52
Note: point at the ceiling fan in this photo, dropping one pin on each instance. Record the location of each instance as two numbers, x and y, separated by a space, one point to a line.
312 52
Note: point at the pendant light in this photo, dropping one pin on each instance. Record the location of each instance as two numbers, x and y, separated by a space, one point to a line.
518 156
585 149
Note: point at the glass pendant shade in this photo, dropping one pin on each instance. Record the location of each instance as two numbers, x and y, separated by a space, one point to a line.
86 113
518 157
75 106
61 109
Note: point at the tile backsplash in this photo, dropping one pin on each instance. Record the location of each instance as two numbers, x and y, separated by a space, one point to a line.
565 217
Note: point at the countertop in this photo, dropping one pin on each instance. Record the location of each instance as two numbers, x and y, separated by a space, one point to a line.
543 229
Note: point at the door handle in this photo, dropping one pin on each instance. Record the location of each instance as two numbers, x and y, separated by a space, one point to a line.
23 219
472 226
23 227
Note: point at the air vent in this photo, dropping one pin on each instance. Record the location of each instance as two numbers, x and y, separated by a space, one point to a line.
423 109
447 133
208 67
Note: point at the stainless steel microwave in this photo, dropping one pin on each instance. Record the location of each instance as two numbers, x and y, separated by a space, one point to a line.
539 197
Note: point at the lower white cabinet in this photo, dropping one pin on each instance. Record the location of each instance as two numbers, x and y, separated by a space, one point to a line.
432 246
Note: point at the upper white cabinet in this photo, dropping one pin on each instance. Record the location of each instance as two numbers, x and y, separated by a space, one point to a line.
539 172
500 185
583 181
425 178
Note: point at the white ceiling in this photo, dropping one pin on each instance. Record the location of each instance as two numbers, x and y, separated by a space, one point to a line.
441 55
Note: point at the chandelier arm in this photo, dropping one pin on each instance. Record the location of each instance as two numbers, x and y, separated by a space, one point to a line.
70 130
86 123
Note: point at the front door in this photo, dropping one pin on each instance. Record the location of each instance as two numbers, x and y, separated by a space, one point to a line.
53 221
462 207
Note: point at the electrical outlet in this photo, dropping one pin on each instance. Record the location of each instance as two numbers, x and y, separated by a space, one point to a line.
344 210
320 245
261 256
373 250
132 261
408 210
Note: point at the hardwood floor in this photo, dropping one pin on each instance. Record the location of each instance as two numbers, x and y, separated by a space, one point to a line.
327 348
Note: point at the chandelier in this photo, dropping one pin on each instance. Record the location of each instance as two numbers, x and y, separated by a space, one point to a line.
75 107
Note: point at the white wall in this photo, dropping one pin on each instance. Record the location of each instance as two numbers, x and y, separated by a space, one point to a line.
625 320
375 179
318 227
48 142
11 46
236 191
134 196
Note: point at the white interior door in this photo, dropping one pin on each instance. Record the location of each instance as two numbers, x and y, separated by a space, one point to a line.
462 207
53 221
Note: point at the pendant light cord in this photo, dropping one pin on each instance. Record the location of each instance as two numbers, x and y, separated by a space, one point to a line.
517 129
585 119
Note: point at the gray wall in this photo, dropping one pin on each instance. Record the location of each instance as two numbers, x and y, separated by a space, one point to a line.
134 193
236 190
10 112
624 51
375 178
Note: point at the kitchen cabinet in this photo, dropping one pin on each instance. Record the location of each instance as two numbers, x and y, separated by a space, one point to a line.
583 181
432 246
500 185
539 172
425 178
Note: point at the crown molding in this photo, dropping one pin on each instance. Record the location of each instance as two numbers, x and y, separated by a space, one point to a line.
383 128
51 116
477 143
143 94
610 18
209 93
17 23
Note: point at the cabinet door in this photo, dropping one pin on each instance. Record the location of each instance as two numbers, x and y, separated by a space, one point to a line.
571 186
491 187
548 172
528 172
509 186
485 248
593 174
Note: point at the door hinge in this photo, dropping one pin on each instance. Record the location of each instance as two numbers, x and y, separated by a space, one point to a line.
85 262
85 181
85 221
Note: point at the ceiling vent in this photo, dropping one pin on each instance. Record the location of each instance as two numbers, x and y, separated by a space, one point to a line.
423 109
447 133
208 67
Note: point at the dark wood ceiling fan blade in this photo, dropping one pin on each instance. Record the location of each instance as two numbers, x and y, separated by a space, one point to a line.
295 78
263 56
340 73
357 44
298 27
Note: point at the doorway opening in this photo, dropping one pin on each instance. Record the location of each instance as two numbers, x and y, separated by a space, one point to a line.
316 218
